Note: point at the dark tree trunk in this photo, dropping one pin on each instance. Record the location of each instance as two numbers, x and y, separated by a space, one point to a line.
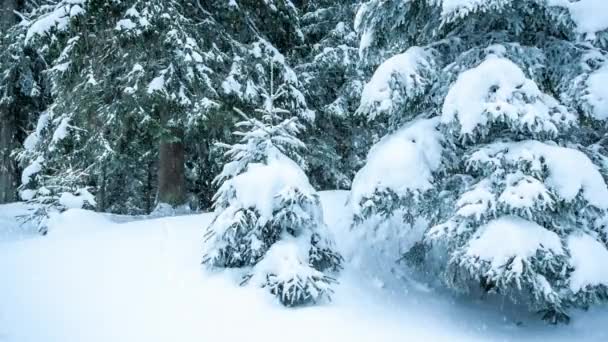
7 15
8 172
171 171
8 127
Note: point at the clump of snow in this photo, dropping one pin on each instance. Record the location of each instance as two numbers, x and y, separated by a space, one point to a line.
497 89
31 170
477 201
598 91
157 84
61 131
399 78
570 171
27 194
125 24
32 140
590 16
451 9
510 237
589 260
403 161
57 18
77 200
525 192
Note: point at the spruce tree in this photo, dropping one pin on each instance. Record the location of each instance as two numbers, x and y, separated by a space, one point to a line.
268 217
494 102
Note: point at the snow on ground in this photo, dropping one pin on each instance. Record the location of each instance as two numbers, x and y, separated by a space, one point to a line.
96 278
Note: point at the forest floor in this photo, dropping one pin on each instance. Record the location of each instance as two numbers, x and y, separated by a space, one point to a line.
98 278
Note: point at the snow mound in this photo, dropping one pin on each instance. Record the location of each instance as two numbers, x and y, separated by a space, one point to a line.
77 200
590 16
510 237
570 172
76 220
589 259
498 90
403 161
399 78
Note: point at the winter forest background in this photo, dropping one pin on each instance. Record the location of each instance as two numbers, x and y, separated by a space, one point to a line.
472 134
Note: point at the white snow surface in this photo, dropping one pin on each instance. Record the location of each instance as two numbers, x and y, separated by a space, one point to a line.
402 161
589 259
95 279
511 237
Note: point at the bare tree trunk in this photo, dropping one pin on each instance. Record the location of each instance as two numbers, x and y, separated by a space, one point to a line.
8 129
8 177
171 171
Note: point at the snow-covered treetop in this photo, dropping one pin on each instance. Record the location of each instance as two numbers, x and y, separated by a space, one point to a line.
402 162
498 91
259 183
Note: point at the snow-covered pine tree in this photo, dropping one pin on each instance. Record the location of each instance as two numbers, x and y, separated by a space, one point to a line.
21 93
268 217
328 68
120 111
496 124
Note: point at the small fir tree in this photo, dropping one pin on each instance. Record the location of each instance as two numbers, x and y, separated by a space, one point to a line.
268 217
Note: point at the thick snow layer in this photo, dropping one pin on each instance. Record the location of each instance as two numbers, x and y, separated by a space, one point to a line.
77 200
402 161
598 91
570 171
590 16
259 185
398 78
497 89
58 18
590 261
96 280
511 237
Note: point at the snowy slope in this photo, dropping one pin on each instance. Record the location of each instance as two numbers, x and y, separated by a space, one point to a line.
93 279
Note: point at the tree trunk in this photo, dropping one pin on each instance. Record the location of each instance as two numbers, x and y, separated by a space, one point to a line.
171 171
8 176
7 15
8 129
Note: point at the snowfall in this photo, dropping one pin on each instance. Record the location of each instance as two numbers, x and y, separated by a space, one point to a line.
98 277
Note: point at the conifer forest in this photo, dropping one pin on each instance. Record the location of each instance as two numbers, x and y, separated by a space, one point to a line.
309 170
